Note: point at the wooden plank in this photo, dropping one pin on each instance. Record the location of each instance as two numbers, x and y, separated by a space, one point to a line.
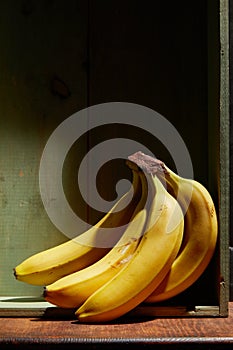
162 333
224 157
149 56
38 307
43 47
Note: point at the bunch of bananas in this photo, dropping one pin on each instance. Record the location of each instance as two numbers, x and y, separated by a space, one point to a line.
165 239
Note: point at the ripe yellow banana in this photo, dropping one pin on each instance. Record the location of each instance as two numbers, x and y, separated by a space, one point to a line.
48 266
200 232
149 265
72 290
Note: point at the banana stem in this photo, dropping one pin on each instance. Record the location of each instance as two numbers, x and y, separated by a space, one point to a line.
147 163
170 180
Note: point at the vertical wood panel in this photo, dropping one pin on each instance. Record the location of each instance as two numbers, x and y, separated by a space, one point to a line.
224 156
231 142
43 81
154 55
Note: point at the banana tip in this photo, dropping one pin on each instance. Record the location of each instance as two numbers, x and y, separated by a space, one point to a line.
15 273
45 292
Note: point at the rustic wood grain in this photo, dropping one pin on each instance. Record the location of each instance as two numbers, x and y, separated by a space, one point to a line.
54 47
178 332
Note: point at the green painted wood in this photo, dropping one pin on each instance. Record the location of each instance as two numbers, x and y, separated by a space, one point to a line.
42 44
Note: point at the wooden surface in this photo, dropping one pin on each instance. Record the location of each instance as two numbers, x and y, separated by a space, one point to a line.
42 63
206 333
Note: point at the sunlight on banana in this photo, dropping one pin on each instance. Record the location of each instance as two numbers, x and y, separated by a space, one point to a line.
200 235
49 265
166 238
71 291
149 265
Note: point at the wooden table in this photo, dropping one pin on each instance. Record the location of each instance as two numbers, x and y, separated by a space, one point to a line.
160 333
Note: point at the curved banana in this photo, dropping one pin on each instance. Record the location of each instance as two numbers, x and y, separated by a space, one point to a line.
149 265
49 265
72 290
200 233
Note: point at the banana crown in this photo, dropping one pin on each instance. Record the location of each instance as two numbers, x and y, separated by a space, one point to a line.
158 197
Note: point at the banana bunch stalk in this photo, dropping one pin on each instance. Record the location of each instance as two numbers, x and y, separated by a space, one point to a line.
167 237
